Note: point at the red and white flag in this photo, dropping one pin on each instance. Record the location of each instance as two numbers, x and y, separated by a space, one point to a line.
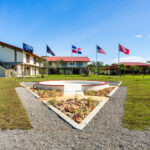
123 49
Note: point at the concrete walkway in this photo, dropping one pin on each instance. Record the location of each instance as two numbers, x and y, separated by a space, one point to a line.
52 133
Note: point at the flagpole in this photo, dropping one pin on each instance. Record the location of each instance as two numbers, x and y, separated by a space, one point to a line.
118 60
96 63
23 65
72 59
46 63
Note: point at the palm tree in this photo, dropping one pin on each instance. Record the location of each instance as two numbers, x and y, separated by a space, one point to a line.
122 67
148 69
99 65
58 64
133 68
92 67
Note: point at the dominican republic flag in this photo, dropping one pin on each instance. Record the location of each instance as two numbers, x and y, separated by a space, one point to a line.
76 50
27 48
100 50
79 51
50 51
123 49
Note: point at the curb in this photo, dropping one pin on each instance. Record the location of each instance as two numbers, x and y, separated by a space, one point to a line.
35 95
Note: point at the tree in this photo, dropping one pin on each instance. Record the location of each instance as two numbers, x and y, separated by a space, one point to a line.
148 62
99 66
41 70
123 68
133 68
92 67
148 69
58 65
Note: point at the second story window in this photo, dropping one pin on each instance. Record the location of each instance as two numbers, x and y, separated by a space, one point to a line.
15 56
79 64
72 64
34 60
27 58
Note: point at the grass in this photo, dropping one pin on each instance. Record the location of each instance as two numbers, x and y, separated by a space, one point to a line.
12 112
137 104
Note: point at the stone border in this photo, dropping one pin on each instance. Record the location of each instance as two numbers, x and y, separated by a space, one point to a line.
114 90
87 119
71 121
35 95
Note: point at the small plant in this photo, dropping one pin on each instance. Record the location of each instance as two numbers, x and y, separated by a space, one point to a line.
92 93
54 93
76 97
53 101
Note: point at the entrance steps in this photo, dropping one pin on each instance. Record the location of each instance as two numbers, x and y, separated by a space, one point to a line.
73 90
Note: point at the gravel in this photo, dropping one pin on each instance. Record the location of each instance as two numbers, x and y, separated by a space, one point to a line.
50 132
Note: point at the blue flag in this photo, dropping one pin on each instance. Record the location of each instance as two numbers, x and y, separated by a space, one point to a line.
27 48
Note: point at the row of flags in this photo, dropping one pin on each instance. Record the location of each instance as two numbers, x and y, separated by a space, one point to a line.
76 50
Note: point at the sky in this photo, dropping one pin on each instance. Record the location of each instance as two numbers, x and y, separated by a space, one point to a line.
83 23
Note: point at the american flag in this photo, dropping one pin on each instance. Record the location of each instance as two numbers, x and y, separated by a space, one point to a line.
100 50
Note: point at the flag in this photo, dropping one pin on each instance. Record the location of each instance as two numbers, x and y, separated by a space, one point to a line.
79 51
123 49
74 49
100 50
50 51
27 48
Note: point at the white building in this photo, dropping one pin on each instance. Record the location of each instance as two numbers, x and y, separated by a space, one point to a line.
67 65
12 59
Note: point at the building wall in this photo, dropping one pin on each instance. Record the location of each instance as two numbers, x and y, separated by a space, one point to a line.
31 60
6 54
68 65
2 72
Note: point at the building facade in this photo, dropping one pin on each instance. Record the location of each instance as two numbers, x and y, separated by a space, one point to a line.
140 68
67 65
13 59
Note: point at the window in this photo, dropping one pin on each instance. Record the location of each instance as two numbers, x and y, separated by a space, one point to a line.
34 60
79 64
64 65
15 56
72 64
27 58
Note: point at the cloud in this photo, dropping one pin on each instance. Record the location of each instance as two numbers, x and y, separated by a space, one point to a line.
130 59
138 36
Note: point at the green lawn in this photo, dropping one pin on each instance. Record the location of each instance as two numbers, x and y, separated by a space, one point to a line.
137 105
12 112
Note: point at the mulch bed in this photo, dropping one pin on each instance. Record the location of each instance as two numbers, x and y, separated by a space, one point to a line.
76 109
103 92
47 93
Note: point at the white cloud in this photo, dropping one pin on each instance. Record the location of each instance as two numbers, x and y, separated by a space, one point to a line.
130 59
138 36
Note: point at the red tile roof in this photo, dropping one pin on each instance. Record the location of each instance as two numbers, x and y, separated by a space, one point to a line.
67 59
17 48
139 64
134 63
